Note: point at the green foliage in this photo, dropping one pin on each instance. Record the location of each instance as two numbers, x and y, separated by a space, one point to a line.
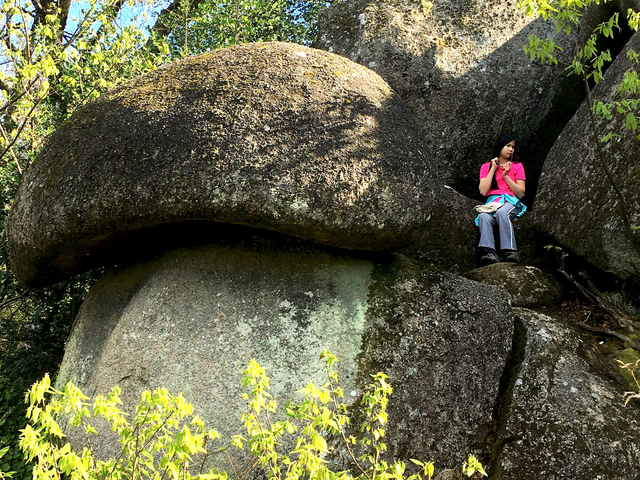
204 25
161 440
53 63
589 61
164 439
473 467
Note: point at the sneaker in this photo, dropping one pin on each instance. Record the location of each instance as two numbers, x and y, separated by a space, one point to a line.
512 257
489 258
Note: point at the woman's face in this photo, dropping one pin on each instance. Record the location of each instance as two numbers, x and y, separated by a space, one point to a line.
507 150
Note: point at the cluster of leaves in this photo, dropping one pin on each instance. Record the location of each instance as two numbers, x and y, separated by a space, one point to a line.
56 58
165 440
589 61
205 25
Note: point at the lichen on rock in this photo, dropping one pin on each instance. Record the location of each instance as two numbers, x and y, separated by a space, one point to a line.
271 135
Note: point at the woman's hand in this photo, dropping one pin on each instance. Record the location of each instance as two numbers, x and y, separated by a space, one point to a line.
516 186
494 163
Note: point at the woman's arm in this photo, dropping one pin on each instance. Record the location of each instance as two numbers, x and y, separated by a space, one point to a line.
516 186
485 183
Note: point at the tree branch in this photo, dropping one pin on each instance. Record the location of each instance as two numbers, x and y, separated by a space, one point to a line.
623 209
64 6
14 299
28 116
632 343
161 28
15 159
619 317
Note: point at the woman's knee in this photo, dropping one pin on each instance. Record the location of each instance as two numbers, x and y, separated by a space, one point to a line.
504 212
485 218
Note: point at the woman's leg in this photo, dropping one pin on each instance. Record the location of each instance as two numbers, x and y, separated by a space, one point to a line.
507 237
486 222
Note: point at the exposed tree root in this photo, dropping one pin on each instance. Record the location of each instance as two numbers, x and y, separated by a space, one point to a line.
632 343
604 301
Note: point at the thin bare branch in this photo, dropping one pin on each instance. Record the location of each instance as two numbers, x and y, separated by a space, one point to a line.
64 6
15 139
26 37
20 95
161 27
14 299
346 442
15 159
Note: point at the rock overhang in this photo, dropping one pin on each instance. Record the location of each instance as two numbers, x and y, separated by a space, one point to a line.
275 136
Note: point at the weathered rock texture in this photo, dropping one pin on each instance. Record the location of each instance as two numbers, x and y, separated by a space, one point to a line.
272 135
460 67
526 286
576 204
193 318
450 238
563 420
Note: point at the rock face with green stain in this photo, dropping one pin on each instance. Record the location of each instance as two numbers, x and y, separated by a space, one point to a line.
191 319
270 135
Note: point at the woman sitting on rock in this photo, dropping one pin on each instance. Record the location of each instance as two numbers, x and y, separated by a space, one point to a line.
502 182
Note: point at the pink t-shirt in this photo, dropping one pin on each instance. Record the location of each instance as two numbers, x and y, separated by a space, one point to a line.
515 173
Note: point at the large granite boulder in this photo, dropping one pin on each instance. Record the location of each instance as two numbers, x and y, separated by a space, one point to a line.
560 417
460 67
450 238
272 135
192 318
525 285
576 203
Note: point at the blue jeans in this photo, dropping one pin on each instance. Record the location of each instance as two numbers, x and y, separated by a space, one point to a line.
502 218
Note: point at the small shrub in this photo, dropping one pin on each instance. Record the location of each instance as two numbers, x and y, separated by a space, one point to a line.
163 439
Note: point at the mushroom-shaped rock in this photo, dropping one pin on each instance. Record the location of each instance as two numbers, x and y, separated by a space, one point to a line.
272 135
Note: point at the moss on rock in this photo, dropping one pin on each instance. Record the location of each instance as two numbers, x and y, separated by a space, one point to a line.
271 135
